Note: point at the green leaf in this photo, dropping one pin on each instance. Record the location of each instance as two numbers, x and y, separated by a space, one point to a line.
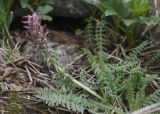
129 22
45 17
49 2
110 12
149 20
45 9
127 1
139 7
142 20
101 6
25 4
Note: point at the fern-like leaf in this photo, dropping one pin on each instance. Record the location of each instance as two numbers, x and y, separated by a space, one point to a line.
153 98
72 102
135 51
100 34
154 59
89 33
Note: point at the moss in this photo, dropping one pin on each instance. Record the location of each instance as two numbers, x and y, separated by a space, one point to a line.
13 103
16 103
13 96
14 109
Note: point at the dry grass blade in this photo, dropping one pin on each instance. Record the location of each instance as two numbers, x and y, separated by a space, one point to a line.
29 75
148 110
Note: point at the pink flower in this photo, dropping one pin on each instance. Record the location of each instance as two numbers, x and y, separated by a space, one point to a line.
35 31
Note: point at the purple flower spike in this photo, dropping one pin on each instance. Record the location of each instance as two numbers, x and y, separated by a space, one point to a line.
35 31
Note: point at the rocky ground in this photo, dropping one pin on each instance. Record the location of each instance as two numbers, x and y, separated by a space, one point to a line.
25 69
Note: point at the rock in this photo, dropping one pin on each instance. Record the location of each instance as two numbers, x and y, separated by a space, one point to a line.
71 8
66 54
155 29
63 46
62 8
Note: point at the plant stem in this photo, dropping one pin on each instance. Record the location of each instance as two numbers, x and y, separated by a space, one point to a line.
60 71
102 92
78 83
130 35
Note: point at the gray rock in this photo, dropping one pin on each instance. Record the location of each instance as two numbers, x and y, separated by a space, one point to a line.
66 54
62 8
71 8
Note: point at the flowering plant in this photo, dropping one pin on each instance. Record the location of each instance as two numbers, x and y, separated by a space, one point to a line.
35 31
